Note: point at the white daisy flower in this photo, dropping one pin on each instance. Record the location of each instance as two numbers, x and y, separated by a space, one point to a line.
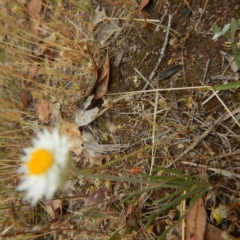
45 166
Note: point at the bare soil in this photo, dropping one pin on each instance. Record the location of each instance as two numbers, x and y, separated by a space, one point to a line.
182 118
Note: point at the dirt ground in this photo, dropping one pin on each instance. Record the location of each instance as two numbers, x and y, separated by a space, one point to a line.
182 118
175 128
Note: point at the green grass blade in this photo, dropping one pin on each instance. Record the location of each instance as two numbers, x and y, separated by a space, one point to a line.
182 217
170 170
169 196
223 87
235 54
123 158
169 205
112 178
137 194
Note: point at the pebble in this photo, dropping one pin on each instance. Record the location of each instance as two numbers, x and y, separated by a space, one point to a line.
237 7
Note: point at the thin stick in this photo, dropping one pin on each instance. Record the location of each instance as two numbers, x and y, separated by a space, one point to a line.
114 101
145 20
183 69
234 85
183 210
227 109
188 5
198 140
153 73
211 96
201 14
147 81
206 70
153 132
222 172
161 90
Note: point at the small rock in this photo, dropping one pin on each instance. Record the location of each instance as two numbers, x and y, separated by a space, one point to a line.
186 12
237 7
192 154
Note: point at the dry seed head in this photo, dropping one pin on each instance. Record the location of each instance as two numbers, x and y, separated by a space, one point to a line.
108 184
219 213
112 128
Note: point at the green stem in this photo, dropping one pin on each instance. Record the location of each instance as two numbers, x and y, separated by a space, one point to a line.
235 54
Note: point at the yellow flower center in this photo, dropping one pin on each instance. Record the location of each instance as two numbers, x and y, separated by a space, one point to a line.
40 161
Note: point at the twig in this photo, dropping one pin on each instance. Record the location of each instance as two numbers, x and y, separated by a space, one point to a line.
224 155
161 55
153 132
201 14
234 85
198 140
221 77
222 172
163 49
211 96
113 101
188 5
147 81
159 90
206 70
184 74
158 22
227 109
183 210
144 59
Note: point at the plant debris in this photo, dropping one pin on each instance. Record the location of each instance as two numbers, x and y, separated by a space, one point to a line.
138 163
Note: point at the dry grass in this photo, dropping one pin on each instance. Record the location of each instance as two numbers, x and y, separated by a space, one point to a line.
61 75
56 64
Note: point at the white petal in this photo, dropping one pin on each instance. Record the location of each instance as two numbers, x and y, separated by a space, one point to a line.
52 187
37 186
226 28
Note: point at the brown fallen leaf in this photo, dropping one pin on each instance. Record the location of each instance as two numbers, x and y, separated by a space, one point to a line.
142 5
107 29
53 207
196 221
45 49
101 86
24 98
56 116
99 16
96 197
71 130
83 117
90 82
92 156
35 7
129 218
48 55
93 151
42 109
215 233
175 233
